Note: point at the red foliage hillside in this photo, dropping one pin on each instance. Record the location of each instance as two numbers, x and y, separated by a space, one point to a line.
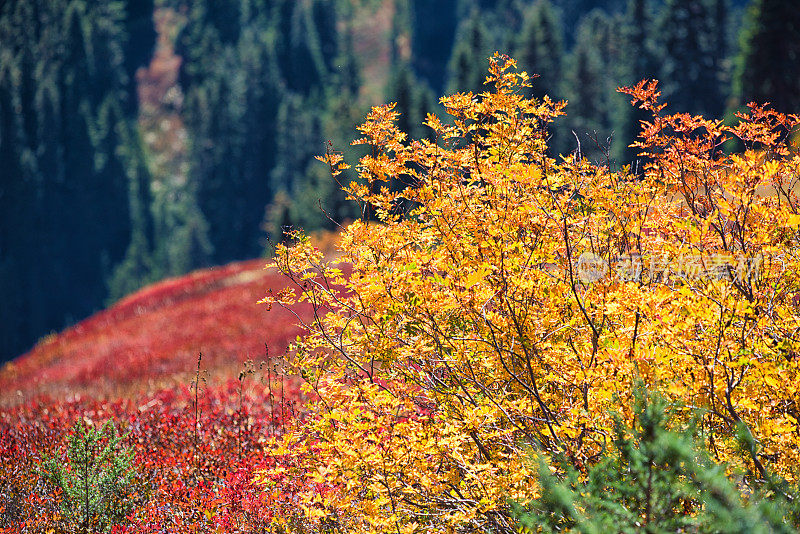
196 438
152 338
194 456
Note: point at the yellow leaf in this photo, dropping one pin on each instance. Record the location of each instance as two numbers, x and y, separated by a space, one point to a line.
477 276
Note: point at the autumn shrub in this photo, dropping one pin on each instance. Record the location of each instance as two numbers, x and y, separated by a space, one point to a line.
504 303
24 493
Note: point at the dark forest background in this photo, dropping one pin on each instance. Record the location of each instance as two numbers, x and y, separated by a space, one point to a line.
142 139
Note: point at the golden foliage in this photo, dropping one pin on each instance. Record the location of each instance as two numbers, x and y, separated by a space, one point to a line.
504 303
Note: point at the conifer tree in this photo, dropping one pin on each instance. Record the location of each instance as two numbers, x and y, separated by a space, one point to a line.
96 480
343 111
587 89
299 51
262 92
347 78
769 57
433 33
540 49
472 48
180 228
414 101
639 34
657 479
641 61
693 70
571 12
250 95
324 15
298 140
64 209
141 37
232 87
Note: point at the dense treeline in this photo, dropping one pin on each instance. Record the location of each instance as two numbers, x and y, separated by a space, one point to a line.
65 158
103 190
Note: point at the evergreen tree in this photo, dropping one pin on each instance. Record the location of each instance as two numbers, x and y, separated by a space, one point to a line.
215 112
64 208
694 46
343 113
656 479
225 17
414 101
324 16
768 63
471 51
180 240
641 61
141 38
305 195
639 30
262 92
96 478
572 12
587 87
231 82
299 52
504 19
255 108
433 34
298 140
347 78
539 49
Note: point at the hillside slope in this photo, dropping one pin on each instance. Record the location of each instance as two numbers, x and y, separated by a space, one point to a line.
152 338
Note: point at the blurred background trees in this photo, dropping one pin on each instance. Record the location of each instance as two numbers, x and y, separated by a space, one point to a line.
66 120
144 139
769 55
